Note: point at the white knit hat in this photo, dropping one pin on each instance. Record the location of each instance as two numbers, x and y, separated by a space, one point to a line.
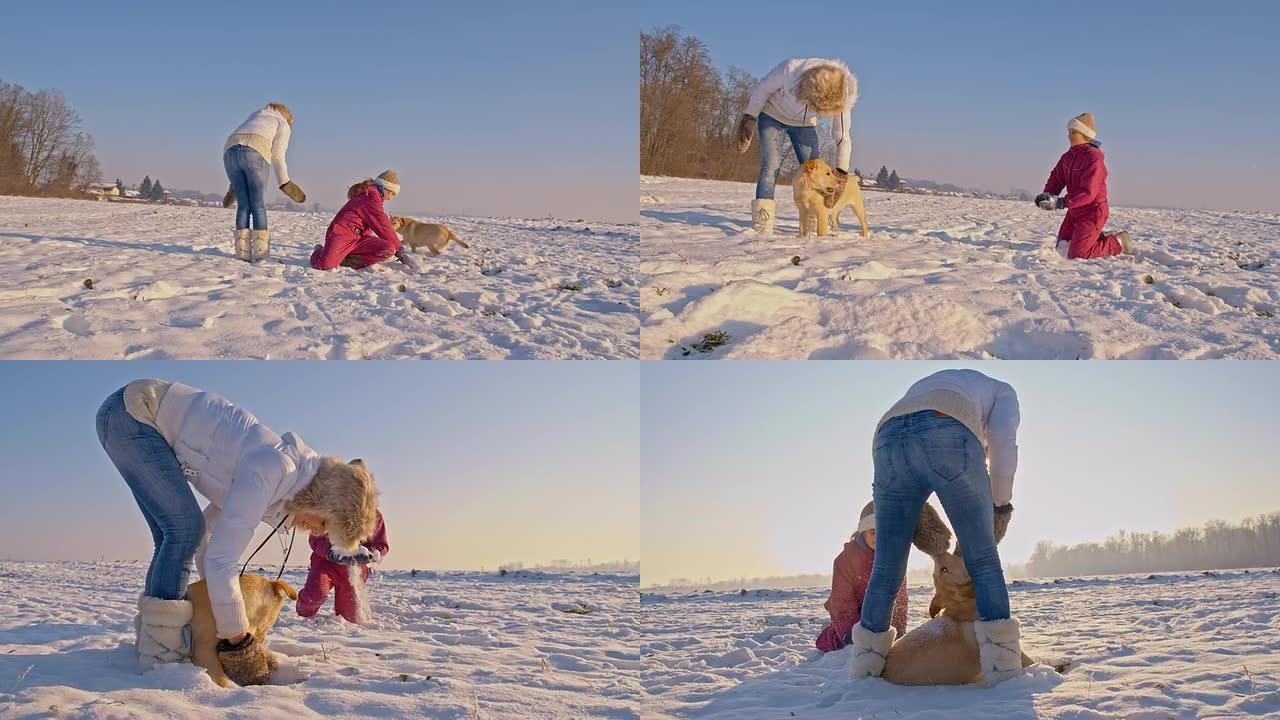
868 519
388 180
1083 124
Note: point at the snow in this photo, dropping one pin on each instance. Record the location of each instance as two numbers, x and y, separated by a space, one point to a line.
946 277
165 285
441 645
1174 646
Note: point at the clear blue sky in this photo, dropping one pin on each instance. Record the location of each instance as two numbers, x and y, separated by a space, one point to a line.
478 463
494 108
753 469
979 94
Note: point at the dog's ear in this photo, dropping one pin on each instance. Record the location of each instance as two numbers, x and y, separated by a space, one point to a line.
809 165
935 606
284 590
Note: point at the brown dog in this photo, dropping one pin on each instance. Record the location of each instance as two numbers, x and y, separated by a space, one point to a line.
433 236
811 184
263 600
943 651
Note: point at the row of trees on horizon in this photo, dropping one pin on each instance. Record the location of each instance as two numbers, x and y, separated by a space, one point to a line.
43 150
1217 545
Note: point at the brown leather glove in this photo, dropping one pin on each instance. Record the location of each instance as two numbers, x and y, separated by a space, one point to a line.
1003 513
294 192
248 663
746 131
229 198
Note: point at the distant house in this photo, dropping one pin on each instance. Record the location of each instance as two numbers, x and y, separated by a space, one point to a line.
102 191
168 197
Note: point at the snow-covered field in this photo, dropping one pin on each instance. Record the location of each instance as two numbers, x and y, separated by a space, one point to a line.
165 285
946 277
449 645
1173 646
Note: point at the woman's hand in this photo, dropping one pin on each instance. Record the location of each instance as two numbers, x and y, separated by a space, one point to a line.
746 131
294 192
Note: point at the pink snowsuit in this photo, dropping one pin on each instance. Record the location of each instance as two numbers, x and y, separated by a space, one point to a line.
360 235
849 576
326 574
1082 170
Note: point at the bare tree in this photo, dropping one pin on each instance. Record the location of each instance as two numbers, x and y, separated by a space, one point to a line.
42 149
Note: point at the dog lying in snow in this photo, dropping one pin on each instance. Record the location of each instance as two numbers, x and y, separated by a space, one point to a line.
263 600
433 236
943 651
811 184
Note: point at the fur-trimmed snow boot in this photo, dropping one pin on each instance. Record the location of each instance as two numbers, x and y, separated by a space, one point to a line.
163 632
869 651
1126 242
242 244
999 649
260 245
762 216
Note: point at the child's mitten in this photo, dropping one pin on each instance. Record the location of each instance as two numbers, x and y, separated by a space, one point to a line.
1050 202
412 265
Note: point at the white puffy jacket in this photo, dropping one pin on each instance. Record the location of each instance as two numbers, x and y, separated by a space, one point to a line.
246 471
776 95
986 406
268 132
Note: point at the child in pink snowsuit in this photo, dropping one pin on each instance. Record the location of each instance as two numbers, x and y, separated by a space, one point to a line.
326 573
361 234
1082 171
849 576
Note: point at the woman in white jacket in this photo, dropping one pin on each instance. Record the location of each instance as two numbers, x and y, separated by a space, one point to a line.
787 104
257 145
166 438
955 434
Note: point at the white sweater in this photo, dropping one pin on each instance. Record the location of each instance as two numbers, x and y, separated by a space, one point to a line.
267 132
246 471
776 95
987 406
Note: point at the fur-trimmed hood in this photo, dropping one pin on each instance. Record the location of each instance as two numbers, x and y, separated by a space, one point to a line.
829 88
345 497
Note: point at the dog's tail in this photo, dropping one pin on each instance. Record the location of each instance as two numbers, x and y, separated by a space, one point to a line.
458 240
284 587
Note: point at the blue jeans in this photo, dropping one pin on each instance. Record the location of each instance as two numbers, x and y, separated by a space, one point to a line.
804 140
167 502
247 170
915 456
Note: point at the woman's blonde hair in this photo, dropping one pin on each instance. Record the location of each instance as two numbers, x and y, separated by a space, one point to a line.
283 110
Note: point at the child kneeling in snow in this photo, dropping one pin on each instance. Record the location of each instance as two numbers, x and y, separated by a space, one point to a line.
1082 171
361 234
849 576
333 570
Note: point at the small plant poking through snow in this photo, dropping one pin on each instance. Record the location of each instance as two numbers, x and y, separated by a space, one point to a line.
1148 279
709 342
88 283
569 287
1264 313
795 260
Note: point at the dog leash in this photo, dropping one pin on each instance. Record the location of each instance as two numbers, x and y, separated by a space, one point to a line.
284 562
